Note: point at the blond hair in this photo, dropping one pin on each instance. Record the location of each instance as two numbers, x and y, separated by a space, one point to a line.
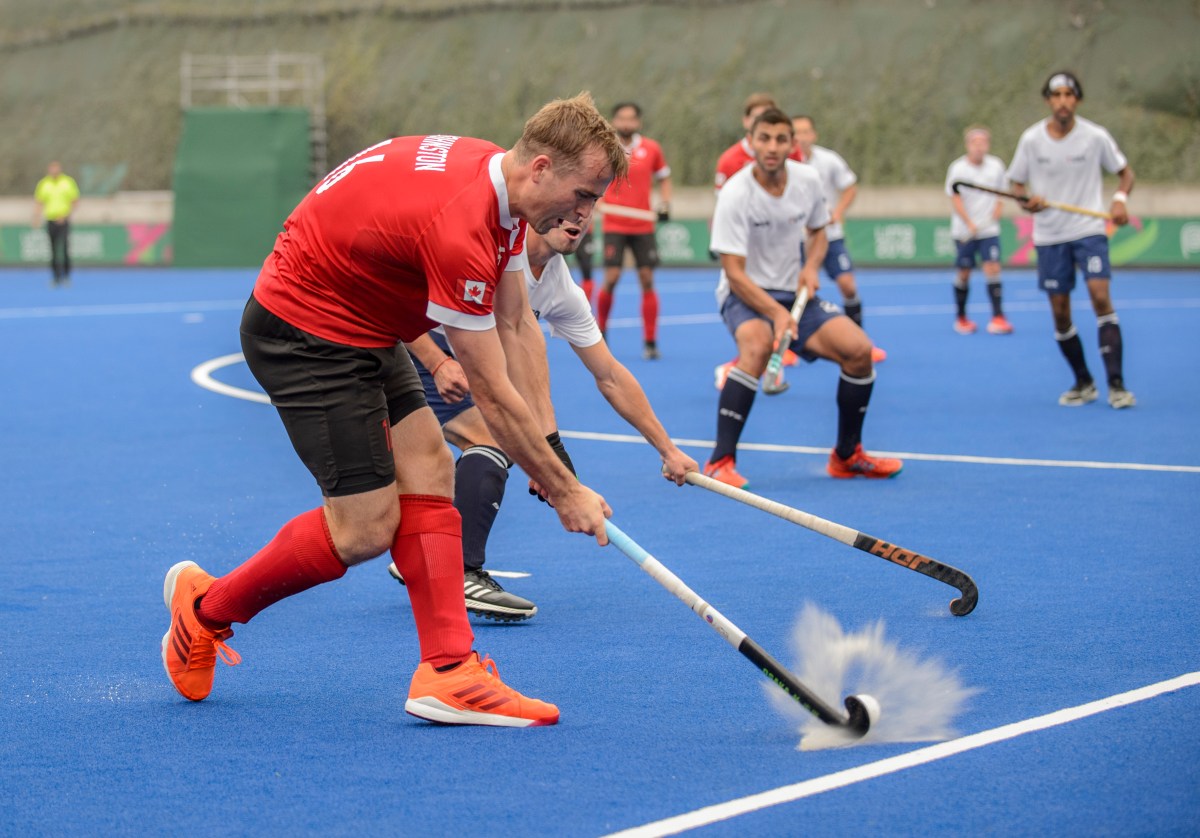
758 100
566 129
976 129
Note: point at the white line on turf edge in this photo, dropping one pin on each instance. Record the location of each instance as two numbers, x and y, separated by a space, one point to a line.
818 785
906 455
202 377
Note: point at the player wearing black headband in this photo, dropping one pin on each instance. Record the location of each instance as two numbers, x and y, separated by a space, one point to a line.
1060 159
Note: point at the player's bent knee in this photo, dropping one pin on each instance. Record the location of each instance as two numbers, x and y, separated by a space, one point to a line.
363 526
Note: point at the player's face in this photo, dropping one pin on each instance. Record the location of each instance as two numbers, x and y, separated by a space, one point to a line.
978 144
567 194
1062 102
626 122
54 170
806 134
772 144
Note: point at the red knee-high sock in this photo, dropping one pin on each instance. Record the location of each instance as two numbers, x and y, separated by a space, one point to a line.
589 286
428 553
299 557
603 306
650 315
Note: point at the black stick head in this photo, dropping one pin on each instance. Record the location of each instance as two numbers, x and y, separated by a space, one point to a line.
864 711
957 185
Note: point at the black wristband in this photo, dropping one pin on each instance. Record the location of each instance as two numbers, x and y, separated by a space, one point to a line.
556 443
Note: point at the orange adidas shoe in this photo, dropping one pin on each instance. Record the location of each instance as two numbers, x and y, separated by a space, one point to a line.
862 464
725 471
189 649
878 356
999 325
473 694
790 358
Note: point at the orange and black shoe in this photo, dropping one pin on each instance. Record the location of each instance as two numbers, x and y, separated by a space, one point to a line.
473 694
862 464
189 649
726 471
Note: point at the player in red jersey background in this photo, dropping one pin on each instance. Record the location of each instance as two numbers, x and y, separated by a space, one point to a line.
647 166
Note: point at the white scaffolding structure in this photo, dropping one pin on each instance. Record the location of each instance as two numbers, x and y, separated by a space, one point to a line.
250 81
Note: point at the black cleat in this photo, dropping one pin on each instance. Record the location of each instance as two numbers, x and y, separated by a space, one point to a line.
485 598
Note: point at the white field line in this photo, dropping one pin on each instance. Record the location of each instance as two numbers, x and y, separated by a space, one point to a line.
112 309
202 376
904 455
819 785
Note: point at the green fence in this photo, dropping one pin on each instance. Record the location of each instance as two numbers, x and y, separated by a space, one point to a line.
238 173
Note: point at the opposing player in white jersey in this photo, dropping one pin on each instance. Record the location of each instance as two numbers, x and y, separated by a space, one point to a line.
1060 159
763 215
975 226
482 471
840 186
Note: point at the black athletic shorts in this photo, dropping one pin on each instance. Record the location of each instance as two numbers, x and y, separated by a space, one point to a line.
643 245
337 402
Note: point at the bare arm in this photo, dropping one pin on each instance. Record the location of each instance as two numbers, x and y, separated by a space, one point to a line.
1120 213
960 210
814 254
447 373
625 394
665 190
839 212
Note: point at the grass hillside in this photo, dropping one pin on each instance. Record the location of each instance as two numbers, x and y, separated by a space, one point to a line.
890 82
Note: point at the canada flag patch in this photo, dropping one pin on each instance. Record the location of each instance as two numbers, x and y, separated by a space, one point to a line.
476 291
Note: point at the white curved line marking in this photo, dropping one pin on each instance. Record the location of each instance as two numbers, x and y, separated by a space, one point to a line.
202 376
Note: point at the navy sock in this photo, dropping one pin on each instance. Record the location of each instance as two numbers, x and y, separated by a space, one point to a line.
1111 348
737 397
853 396
479 480
994 294
853 309
1072 350
960 298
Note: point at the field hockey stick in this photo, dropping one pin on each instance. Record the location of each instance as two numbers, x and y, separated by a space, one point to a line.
627 212
861 710
775 384
932 568
1024 199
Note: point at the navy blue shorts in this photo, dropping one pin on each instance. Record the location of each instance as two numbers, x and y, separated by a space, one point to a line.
971 252
837 260
816 314
441 408
1057 264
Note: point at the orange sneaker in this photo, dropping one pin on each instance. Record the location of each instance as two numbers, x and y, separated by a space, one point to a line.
189 649
999 325
878 356
964 326
473 694
790 358
725 471
862 464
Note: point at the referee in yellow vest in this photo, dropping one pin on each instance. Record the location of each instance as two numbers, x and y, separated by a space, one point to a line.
55 197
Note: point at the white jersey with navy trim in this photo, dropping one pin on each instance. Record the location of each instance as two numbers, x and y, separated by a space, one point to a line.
1067 171
556 299
980 206
766 229
836 178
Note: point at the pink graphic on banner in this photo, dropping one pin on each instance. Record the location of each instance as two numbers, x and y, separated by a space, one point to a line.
142 237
